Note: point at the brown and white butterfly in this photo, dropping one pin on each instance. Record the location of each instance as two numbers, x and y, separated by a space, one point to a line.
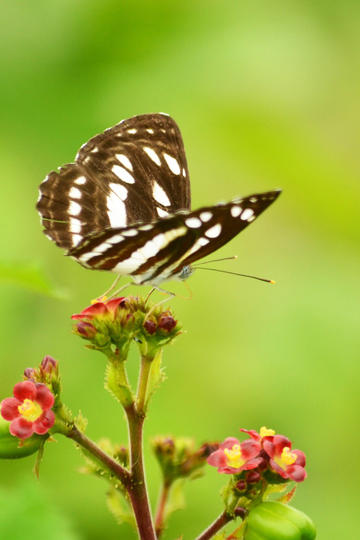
124 204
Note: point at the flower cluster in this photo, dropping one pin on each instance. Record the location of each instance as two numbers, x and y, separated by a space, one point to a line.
30 410
117 321
179 458
265 458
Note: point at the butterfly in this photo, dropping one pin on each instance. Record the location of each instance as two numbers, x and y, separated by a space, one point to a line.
124 204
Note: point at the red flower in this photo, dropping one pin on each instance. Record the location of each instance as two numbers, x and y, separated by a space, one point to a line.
29 411
265 433
286 462
97 309
233 457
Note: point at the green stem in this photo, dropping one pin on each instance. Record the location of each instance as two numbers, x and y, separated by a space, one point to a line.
117 381
141 394
220 522
137 490
160 513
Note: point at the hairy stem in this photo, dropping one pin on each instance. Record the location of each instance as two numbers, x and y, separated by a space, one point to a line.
220 522
143 384
160 513
137 489
89 445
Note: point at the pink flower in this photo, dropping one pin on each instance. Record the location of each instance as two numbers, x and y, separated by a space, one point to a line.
265 433
29 411
286 462
97 309
232 457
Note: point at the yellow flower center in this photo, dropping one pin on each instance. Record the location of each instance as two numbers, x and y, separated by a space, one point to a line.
265 432
287 458
234 457
30 410
101 299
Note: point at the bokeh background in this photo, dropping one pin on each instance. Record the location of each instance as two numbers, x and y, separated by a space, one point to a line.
266 95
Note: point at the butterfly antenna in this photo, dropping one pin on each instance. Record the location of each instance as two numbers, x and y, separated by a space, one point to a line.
242 275
217 260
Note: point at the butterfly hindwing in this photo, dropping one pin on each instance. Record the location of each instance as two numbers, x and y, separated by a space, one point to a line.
134 172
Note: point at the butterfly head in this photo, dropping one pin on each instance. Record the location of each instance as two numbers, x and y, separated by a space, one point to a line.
185 272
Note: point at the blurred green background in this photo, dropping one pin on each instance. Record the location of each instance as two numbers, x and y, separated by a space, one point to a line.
266 95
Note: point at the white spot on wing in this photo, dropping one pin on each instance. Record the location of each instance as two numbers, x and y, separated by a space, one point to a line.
75 193
193 223
214 231
119 190
124 160
160 195
152 155
247 214
74 208
76 239
116 239
151 131
75 225
123 174
205 216
130 232
236 211
172 163
161 212
253 199
80 181
146 227
116 206
184 173
132 131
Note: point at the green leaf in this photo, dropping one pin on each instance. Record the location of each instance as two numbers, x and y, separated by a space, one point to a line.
119 507
29 276
156 375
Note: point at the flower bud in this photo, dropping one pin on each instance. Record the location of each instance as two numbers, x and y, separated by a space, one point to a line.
253 477
241 485
150 326
85 330
277 521
12 448
30 373
167 322
49 365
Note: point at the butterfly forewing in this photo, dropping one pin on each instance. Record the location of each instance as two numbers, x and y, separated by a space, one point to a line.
156 251
131 173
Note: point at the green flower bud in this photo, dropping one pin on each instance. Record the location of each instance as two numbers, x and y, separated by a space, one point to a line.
277 521
12 448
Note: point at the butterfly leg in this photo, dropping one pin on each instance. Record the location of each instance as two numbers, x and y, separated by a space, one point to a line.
121 289
103 296
163 291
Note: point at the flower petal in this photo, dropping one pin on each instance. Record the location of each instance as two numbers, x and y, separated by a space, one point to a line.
44 397
279 442
278 469
252 433
217 459
301 459
229 443
113 304
9 408
25 390
21 428
252 464
296 473
99 308
250 448
44 423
